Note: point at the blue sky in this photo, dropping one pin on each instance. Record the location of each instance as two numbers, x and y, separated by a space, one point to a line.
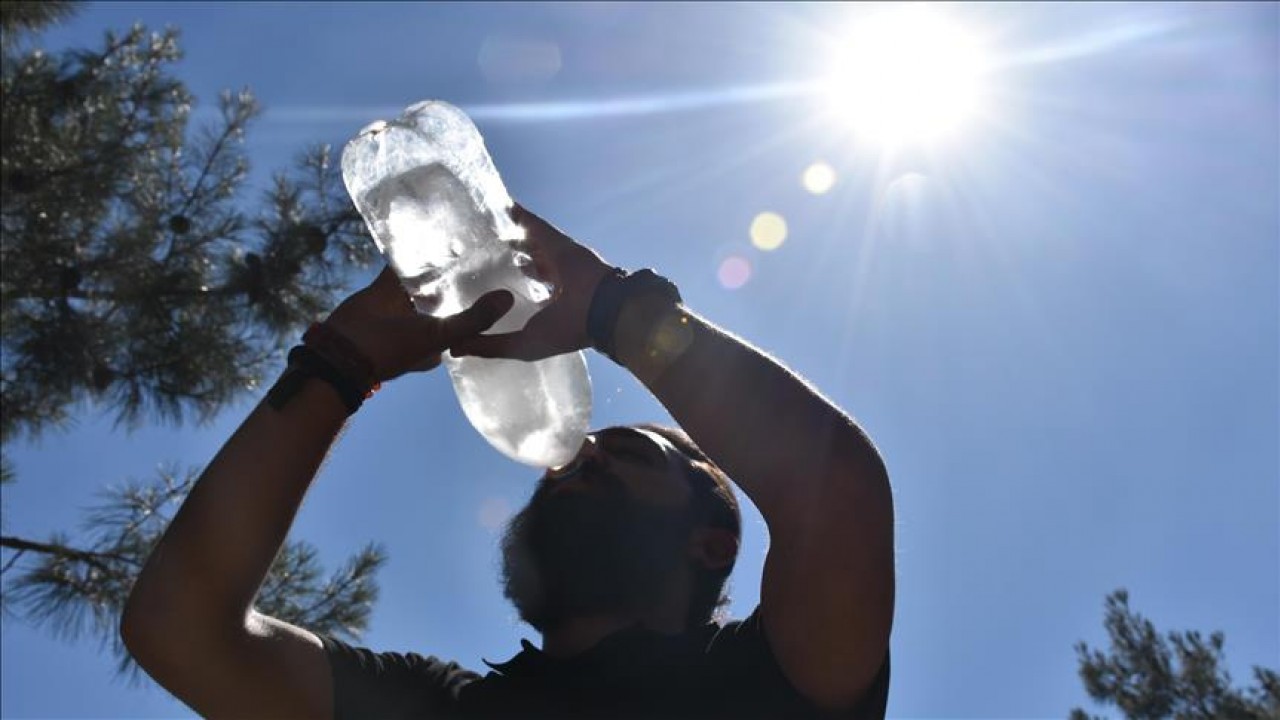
1062 328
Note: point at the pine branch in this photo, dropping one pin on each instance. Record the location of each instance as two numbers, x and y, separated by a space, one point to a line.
1150 676
19 16
100 560
68 587
118 299
16 556
236 112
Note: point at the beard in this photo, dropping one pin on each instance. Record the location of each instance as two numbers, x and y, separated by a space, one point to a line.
589 551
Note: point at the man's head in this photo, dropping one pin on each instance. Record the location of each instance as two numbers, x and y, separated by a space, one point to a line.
640 507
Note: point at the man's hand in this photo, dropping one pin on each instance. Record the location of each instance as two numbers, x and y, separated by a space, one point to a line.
574 271
382 322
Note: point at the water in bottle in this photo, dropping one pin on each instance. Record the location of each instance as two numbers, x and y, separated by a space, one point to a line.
438 211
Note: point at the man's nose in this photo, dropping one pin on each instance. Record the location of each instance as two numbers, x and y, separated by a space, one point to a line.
590 448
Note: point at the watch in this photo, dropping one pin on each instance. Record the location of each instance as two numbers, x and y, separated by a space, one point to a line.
613 294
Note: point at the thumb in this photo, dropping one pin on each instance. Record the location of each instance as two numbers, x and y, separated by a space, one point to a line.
476 319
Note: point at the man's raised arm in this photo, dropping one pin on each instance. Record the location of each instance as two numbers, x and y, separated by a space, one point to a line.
828 588
189 621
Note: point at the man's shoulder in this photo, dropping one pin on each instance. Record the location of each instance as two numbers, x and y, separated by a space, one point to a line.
390 662
737 636
389 684
741 649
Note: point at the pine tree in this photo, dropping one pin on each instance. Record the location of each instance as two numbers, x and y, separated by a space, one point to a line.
1149 676
135 278
77 588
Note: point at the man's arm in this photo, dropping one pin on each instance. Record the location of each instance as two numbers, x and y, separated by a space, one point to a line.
189 620
828 588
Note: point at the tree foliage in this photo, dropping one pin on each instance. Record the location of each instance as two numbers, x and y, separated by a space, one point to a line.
21 17
131 273
73 590
1182 675
137 278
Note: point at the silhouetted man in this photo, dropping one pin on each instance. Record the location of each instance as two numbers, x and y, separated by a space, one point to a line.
618 560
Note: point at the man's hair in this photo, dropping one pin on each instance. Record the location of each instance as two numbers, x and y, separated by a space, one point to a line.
713 504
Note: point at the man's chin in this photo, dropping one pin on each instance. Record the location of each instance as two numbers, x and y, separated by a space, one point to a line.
582 558
548 613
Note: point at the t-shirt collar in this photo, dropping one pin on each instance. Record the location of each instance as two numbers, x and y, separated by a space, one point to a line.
631 642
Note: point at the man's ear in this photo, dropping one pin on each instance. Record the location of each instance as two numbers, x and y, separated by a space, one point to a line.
714 548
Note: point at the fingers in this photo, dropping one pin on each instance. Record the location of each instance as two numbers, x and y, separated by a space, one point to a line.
386 293
544 266
427 337
430 363
485 312
541 243
537 229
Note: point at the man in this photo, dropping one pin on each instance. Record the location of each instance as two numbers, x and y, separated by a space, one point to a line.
618 560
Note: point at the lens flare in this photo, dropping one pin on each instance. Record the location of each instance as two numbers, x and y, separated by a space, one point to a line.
818 178
734 272
768 231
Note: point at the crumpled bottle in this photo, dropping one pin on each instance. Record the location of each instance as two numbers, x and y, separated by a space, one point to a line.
438 211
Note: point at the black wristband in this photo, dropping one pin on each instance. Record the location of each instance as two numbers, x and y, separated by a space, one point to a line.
602 314
612 294
307 363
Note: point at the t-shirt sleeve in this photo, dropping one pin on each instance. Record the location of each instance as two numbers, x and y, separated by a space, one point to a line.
387 685
743 649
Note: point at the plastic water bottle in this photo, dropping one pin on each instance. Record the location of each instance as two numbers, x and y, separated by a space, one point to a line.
438 211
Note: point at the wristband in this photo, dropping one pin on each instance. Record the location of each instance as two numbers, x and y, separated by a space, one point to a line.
329 356
612 294
306 363
340 352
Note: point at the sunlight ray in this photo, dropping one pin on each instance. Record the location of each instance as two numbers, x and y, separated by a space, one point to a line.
962 193
866 250
560 110
1093 43
825 244
638 105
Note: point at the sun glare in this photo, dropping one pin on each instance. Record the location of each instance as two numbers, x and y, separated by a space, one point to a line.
906 75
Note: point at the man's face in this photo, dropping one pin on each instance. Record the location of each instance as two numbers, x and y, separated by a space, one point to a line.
603 535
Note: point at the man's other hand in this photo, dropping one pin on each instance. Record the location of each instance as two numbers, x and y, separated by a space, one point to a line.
574 271
382 322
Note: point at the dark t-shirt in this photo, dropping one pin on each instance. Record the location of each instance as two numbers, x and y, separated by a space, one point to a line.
713 672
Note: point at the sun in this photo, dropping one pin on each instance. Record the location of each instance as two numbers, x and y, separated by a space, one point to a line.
906 75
